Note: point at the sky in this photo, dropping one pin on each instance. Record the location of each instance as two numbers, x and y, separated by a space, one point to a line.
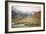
27 9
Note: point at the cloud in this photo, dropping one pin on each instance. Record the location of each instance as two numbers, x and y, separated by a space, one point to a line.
27 9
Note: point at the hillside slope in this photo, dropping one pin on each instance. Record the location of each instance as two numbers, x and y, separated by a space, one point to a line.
34 20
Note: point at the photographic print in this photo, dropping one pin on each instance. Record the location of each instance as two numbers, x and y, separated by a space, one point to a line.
25 16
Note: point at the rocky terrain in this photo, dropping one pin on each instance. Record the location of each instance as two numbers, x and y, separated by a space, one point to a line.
28 20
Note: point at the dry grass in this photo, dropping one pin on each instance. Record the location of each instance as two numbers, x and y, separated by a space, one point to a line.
34 20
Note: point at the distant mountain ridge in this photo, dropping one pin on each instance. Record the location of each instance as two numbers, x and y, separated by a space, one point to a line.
19 14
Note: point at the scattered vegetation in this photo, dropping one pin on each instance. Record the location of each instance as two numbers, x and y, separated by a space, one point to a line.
33 21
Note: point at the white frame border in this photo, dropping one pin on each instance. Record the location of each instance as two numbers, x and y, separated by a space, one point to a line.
22 29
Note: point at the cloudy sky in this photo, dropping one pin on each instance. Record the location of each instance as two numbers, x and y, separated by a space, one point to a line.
27 9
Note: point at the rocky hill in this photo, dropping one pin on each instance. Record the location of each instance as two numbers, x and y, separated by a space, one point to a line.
34 20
